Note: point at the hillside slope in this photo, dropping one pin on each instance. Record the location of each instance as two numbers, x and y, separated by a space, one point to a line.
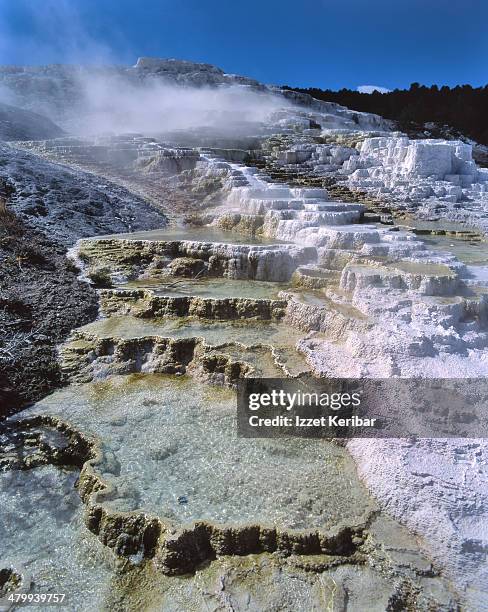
19 124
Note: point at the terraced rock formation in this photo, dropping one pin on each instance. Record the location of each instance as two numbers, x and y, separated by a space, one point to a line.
273 266
129 259
429 178
176 432
376 550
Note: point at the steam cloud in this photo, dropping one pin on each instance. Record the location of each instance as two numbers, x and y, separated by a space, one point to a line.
118 105
111 100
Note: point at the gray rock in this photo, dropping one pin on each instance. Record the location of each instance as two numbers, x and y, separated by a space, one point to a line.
68 204
19 124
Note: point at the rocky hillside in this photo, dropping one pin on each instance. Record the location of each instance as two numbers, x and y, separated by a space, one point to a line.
67 204
40 301
44 209
19 124
63 91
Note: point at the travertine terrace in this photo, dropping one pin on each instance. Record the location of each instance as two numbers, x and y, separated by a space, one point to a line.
288 251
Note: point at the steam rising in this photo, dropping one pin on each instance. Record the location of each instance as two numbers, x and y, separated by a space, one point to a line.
87 100
118 105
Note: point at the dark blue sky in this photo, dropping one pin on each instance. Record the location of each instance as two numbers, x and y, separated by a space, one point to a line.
343 43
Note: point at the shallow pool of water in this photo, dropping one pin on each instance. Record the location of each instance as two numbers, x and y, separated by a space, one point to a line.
43 538
413 267
201 234
471 253
278 339
167 439
441 224
210 287
245 332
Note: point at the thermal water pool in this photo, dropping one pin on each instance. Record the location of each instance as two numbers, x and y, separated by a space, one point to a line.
195 233
209 287
165 438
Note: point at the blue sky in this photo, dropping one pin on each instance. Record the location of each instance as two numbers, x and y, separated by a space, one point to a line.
323 43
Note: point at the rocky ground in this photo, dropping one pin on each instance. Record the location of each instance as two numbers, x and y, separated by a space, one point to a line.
44 209
67 204
19 124
41 300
